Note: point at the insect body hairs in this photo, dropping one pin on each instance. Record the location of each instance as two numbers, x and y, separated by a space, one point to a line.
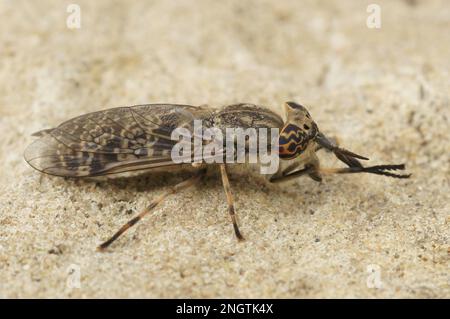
140 138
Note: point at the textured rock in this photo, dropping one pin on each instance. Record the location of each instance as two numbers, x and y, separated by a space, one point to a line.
383 92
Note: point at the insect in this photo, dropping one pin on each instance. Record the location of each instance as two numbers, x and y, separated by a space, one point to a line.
126 139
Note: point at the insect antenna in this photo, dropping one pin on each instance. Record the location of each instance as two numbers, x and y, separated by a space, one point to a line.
342 154
377 169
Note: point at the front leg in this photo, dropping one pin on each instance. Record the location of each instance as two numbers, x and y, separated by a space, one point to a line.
311 168
377 170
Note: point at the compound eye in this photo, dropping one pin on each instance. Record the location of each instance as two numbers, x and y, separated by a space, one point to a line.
292 141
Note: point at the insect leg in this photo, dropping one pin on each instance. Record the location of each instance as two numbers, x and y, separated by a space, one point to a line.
230 201
290 168
286 177
184 184
281 173
377 169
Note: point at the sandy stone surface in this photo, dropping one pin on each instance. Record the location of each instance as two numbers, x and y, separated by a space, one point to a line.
383 92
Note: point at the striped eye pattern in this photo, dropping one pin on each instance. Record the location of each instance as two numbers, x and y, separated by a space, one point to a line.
292 142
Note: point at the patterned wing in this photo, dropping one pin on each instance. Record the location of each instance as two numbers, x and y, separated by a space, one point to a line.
112 141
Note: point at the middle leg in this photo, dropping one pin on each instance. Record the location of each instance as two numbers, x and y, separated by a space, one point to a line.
377 169
230 201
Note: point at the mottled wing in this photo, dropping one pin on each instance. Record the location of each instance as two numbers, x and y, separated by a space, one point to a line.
112 141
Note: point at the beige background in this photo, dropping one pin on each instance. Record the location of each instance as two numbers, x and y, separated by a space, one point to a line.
383 92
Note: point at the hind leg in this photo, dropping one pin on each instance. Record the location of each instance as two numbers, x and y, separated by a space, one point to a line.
172 190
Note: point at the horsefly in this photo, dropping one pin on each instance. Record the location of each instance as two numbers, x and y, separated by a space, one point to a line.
170 136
